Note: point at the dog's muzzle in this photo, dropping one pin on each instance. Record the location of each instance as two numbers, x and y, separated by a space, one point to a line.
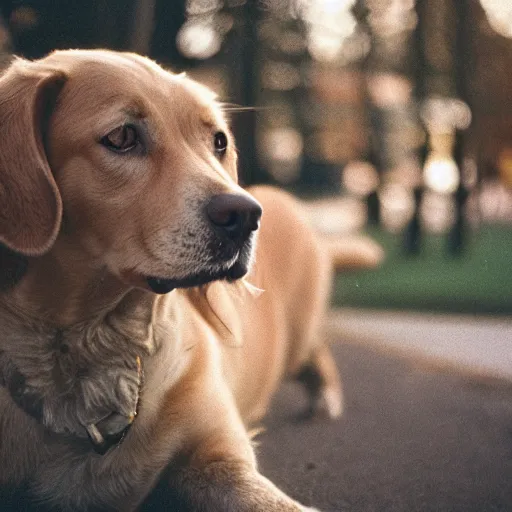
234 216
233 219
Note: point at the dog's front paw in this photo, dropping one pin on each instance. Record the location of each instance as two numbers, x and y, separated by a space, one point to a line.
223 486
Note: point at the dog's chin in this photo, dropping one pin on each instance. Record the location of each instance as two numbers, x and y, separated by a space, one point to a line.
162 285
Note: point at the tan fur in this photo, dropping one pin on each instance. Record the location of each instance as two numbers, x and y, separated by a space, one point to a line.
89 224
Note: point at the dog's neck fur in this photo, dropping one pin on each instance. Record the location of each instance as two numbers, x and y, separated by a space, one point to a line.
63 288
71 336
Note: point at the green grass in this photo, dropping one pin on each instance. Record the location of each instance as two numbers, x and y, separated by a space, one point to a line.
479 281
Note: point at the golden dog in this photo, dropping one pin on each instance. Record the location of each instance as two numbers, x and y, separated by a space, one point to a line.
127 325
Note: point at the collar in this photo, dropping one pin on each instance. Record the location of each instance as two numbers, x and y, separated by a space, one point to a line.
110 431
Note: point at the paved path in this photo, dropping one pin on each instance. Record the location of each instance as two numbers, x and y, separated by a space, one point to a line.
477 344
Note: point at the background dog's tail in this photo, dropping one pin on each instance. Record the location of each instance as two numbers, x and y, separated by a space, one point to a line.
318 372
352 252
333 223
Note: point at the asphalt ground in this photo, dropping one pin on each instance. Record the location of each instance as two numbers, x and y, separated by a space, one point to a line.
412 438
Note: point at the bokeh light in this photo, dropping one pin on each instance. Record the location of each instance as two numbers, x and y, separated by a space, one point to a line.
389 89
202 34
444 114
339 216
437 211
330 25
360 178
198 40
391 17
396 206
499 15
495 202
441 174
282 152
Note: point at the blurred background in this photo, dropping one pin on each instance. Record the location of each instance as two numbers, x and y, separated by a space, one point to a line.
393 117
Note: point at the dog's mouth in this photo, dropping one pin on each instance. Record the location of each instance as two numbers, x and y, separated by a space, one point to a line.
236 271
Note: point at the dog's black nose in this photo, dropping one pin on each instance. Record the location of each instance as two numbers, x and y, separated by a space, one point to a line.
234 215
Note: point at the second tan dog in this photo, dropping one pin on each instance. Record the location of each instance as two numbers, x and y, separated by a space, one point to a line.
128 327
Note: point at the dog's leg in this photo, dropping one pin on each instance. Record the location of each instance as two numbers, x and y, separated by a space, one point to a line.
221 476
227 486
321 379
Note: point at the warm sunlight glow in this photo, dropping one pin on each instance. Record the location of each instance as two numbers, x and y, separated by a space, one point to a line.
198 40
330 23
441 174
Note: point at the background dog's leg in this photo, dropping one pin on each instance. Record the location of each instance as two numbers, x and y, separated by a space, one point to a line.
321 379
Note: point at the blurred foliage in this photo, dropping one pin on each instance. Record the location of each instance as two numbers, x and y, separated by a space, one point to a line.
478 281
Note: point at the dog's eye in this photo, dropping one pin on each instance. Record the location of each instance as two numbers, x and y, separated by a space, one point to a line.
220 143
121 139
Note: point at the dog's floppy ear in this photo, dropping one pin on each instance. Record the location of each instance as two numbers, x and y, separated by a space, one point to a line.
30 203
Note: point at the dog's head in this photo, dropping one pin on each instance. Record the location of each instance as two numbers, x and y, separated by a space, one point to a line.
134 165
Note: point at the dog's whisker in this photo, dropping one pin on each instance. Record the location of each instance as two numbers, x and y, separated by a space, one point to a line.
234 108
